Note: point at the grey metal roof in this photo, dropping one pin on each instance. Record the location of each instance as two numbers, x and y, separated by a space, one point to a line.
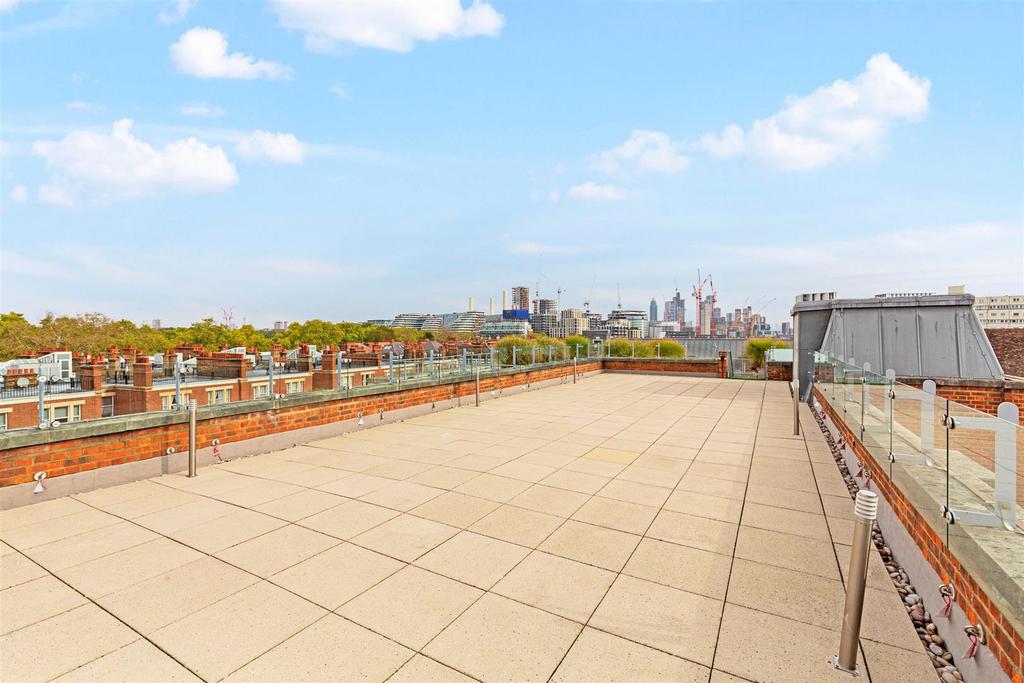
917 336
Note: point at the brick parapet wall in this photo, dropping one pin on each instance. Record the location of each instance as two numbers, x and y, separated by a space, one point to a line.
780 371
112 442
980 394
690 366
1005 639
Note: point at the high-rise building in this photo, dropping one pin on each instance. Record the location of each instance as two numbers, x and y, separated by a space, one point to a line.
675 309
521 298
545 307
156 324
280 325
654 310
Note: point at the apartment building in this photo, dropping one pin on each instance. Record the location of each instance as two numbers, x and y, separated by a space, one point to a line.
1000 312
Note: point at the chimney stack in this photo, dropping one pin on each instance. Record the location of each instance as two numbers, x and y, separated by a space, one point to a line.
470 304
504 300
490 305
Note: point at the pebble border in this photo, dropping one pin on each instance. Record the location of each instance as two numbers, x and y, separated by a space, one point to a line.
940 656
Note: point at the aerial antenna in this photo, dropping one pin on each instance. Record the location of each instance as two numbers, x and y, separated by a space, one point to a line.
618 292
228 314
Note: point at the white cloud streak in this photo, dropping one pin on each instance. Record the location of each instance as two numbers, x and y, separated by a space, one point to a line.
591 191
19 194
202 109
394 25
645 150
203 52
175 11
283 148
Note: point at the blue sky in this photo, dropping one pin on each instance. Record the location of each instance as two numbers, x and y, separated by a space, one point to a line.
291 160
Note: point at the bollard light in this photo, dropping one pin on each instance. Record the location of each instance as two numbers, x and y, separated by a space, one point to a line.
865 510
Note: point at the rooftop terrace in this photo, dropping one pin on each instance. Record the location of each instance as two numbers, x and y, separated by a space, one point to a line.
634 527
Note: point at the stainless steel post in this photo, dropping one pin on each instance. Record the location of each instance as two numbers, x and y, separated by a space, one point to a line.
478 387
338 362
41 383
865 510
391 366
796 407
574 370
270 377
192 407
514 349
177 384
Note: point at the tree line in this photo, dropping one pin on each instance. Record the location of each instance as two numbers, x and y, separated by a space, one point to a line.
95 333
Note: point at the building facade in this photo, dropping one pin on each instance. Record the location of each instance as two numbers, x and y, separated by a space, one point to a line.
1000 312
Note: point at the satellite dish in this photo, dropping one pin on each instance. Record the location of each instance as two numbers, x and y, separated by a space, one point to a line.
43 425
42 379
22 381
55 378
55 423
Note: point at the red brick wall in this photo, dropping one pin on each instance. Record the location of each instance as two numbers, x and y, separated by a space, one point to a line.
710 368
17 465
983 395
1004 641
780 371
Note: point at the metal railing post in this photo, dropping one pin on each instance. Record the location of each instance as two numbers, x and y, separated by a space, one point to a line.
514 349
270 376
796 407
632 349
42 401
478 387
865 510
391 366
193 406
338 365
177 386
574 370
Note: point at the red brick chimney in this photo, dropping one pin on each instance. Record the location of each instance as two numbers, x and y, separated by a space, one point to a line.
91 375
142 372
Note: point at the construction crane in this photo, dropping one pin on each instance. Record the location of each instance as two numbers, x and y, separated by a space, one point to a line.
698 295
618 293
590 295
559 299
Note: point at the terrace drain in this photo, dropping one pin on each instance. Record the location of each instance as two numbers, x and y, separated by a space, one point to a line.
934 645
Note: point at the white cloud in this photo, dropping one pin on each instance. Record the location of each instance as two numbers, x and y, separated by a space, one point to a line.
841 120
554 196
386 24
202 109
55 195
19 194
534 248
80 105
9 5
340 92
203 52
104 167
175 11
593 191
645 150
283 148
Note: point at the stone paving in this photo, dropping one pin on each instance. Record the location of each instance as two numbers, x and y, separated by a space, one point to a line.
629 527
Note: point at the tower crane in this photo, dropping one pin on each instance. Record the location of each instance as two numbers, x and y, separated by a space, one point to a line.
698 295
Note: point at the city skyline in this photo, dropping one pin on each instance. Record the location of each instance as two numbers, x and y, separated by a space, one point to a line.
286 143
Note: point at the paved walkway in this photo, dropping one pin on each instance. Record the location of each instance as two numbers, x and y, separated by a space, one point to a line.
629 527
